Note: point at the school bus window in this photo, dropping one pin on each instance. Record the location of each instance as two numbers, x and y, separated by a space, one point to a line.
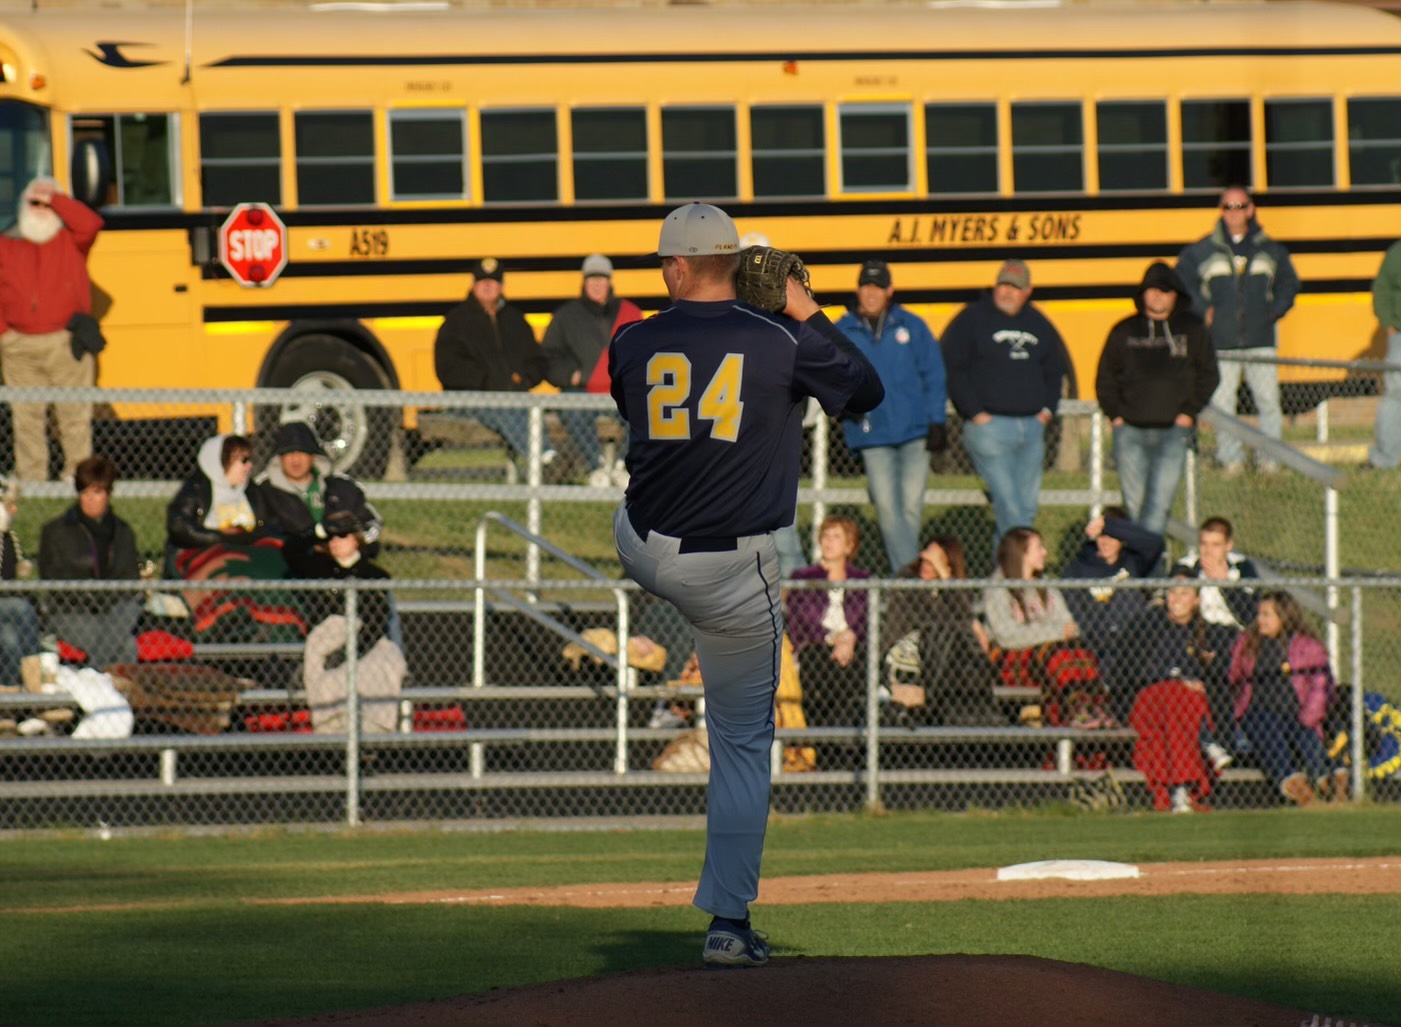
1133 154
1216 141
335 158
1298 143
961 147
1374 140
875 147
240 158
788 151
427 154
1048 142
699 153
142 148
25 153
520 156
610 153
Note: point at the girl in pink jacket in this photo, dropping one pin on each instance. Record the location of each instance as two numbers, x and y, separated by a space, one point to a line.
1283 689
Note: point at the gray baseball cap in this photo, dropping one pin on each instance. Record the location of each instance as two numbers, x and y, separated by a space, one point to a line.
698 230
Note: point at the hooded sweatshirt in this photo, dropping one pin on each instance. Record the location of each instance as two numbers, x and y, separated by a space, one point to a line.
1150 371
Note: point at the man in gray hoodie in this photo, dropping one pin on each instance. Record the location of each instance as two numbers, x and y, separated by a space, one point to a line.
1156 373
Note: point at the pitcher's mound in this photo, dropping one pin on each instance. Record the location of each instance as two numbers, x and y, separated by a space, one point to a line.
971 991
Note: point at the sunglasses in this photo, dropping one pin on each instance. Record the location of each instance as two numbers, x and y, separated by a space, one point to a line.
1236 206
38 203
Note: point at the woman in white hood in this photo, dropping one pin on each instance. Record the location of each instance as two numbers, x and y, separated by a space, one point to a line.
219 526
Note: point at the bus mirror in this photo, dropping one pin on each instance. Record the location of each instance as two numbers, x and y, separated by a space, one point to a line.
92 172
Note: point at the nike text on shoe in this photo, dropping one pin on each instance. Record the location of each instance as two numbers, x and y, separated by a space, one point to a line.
735 947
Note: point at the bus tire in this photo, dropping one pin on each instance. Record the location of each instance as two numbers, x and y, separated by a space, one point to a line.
356 437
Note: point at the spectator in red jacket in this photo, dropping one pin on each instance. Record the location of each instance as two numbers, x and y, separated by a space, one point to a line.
43 285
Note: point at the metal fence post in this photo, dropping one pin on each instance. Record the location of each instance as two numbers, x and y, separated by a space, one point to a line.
1330 571
1096 459
873 664
239 421
352 709
625 677
532 505
1355 721
820 447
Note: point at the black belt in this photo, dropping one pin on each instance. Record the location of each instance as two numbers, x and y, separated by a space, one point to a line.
690 544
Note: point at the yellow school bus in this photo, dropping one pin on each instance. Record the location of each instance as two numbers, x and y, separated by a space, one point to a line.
400 145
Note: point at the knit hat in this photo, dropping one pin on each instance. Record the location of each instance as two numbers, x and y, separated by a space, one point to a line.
296 437
596 265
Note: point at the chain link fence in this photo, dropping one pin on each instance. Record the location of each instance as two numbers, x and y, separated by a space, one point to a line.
505 594
524 712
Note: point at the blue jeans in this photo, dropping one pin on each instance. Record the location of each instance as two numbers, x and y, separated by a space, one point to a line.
1150 463
1386 450
513 425
1283 745
1263 382
790 550
1007 453
582 428
19 636
895 480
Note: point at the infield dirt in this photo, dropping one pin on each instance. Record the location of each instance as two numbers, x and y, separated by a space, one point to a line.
973 991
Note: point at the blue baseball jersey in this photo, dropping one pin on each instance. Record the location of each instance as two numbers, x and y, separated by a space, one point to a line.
713 394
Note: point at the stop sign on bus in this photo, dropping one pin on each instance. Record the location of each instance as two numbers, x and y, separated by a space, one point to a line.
253 244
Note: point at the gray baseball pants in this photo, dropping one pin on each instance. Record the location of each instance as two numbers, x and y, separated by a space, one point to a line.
731 601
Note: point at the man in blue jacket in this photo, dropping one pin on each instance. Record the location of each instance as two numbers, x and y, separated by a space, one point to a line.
1006 362
1241 282
898 438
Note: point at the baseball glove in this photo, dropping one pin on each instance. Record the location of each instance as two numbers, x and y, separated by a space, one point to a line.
762 279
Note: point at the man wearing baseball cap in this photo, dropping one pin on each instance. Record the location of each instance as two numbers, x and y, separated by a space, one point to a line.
1005 363
574 343
485 344
897 439
713 392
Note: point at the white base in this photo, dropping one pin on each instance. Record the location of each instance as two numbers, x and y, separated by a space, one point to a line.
1070 869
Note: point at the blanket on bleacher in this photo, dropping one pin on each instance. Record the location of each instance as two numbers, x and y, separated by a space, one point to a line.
234 615
1168 717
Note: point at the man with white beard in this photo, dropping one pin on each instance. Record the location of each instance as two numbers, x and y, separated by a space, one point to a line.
43 284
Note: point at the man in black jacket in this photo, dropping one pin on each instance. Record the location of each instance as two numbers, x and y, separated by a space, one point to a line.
302 492
1156 373
89 542
486 345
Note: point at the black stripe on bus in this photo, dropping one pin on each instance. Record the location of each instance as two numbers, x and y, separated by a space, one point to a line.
118 219
737 57
438 308
813 258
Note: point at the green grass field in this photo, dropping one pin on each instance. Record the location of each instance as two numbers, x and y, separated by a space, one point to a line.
195 952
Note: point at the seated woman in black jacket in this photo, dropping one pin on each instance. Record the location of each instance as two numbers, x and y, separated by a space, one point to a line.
934 636
219 526
88 542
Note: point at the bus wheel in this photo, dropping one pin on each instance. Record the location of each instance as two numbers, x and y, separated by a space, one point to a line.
356 437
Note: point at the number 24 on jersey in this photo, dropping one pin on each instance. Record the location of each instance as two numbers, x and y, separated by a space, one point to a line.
670 381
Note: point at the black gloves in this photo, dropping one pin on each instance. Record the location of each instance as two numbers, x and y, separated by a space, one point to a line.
938 445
